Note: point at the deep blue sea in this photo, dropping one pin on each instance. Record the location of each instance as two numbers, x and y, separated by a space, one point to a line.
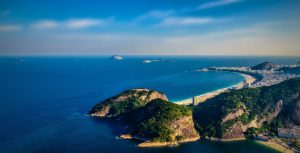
43 100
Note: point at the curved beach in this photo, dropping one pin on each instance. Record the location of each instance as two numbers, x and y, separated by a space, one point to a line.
248 79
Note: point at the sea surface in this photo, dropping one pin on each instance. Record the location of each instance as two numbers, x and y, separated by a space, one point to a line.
44 100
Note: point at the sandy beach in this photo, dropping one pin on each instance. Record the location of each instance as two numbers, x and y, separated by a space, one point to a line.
248 79
277 146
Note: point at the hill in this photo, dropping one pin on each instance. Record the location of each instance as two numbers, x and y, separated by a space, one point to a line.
264 66
229 115
291 70
125 102
150 117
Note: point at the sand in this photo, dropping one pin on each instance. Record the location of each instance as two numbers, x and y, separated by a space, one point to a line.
203 97
277 146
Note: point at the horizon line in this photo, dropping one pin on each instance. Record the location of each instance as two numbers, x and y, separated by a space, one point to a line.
60 55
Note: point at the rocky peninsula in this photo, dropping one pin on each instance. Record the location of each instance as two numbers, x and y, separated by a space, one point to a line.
149 117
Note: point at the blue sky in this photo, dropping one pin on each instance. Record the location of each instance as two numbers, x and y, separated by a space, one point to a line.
150 27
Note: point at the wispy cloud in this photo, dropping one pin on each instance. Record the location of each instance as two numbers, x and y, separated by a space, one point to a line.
218 3
259 39
155 14
70 23
45 24
83 23
10 27
186 21
170 17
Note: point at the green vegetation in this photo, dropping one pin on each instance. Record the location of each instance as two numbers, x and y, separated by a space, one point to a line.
131 102
257 102
126 105
152 121
117 108
251 133
148 119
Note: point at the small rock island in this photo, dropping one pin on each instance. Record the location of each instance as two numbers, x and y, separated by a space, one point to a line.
117 57
150 117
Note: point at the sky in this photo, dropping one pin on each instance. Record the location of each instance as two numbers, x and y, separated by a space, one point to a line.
150 27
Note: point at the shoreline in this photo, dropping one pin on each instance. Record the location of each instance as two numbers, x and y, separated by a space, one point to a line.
150 144
274 145
146 143
203 97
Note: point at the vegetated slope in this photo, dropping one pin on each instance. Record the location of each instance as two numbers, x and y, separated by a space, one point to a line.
125 102
264 66
162 121
231 114
149 116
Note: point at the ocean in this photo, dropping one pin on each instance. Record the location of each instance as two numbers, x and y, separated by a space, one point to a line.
44 99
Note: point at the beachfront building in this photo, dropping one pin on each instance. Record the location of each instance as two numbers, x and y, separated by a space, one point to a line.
262 138
289 133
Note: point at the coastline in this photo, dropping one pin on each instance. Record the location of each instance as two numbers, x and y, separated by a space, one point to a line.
146 143
149 144
203 97
164 144
274 145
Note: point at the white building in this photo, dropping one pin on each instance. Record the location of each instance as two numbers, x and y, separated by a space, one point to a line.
289 133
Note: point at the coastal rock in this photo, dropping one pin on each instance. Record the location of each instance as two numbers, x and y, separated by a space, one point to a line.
233 115
184 129
272 112
125 102
238 129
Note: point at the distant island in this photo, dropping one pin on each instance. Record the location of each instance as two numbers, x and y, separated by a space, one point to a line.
117 57
269 113
157 60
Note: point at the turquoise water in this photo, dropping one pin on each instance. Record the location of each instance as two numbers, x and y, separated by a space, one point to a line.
43 100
